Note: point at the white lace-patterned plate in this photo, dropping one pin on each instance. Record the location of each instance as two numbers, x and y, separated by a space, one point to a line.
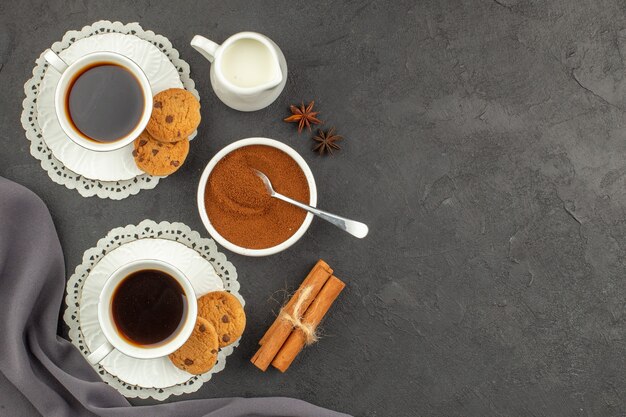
104 166
197 257
56 170
149 373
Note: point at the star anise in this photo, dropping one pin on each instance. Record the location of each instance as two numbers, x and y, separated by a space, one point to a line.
326 141
304 116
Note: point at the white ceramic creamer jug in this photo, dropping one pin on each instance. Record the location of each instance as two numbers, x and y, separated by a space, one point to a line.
248 70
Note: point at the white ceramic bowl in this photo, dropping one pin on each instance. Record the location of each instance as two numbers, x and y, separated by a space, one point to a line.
240 144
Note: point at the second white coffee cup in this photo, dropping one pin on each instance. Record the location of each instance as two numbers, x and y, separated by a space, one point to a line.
105 315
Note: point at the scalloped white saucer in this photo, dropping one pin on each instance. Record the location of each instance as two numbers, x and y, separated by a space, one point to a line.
147 373
104 166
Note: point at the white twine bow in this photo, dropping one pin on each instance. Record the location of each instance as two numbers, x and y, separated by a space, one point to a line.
295 319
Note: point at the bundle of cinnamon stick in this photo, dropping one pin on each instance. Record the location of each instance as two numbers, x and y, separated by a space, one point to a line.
295 325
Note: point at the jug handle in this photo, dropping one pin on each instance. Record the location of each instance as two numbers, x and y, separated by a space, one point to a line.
206 47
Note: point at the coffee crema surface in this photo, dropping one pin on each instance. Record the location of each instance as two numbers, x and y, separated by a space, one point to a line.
105 102
148 307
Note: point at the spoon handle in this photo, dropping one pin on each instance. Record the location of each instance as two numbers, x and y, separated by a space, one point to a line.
353 227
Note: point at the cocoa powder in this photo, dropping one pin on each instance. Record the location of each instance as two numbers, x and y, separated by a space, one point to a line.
240 208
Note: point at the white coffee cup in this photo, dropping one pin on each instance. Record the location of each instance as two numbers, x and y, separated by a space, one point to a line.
116 341
68 73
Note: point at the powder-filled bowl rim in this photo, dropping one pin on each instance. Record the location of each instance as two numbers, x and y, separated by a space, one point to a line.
205 178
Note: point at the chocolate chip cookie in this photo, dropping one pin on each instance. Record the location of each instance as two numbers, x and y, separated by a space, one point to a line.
199 353
158 158
175 115
225 313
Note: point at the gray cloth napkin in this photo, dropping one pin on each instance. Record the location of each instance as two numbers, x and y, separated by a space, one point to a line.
50 372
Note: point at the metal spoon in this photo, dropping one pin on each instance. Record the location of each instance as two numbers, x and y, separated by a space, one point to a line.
353 227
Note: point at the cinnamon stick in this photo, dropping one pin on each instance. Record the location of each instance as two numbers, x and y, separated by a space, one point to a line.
313 316
279 331
318 275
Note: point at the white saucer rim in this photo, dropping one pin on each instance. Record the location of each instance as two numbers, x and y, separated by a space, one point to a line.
46 116
184 258
56 171
177 231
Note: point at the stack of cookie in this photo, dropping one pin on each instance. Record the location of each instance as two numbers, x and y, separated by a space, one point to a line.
163 147
221 321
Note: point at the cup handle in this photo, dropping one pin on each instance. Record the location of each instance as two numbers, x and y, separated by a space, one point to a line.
97 355
54 60
206 47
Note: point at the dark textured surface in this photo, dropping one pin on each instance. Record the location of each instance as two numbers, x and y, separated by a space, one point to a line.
485 144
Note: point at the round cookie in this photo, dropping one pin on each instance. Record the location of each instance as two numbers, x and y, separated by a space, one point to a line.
175 115
199 353
158 158
226 313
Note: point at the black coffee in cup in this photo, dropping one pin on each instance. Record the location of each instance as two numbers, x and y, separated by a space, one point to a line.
148 307
105 102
